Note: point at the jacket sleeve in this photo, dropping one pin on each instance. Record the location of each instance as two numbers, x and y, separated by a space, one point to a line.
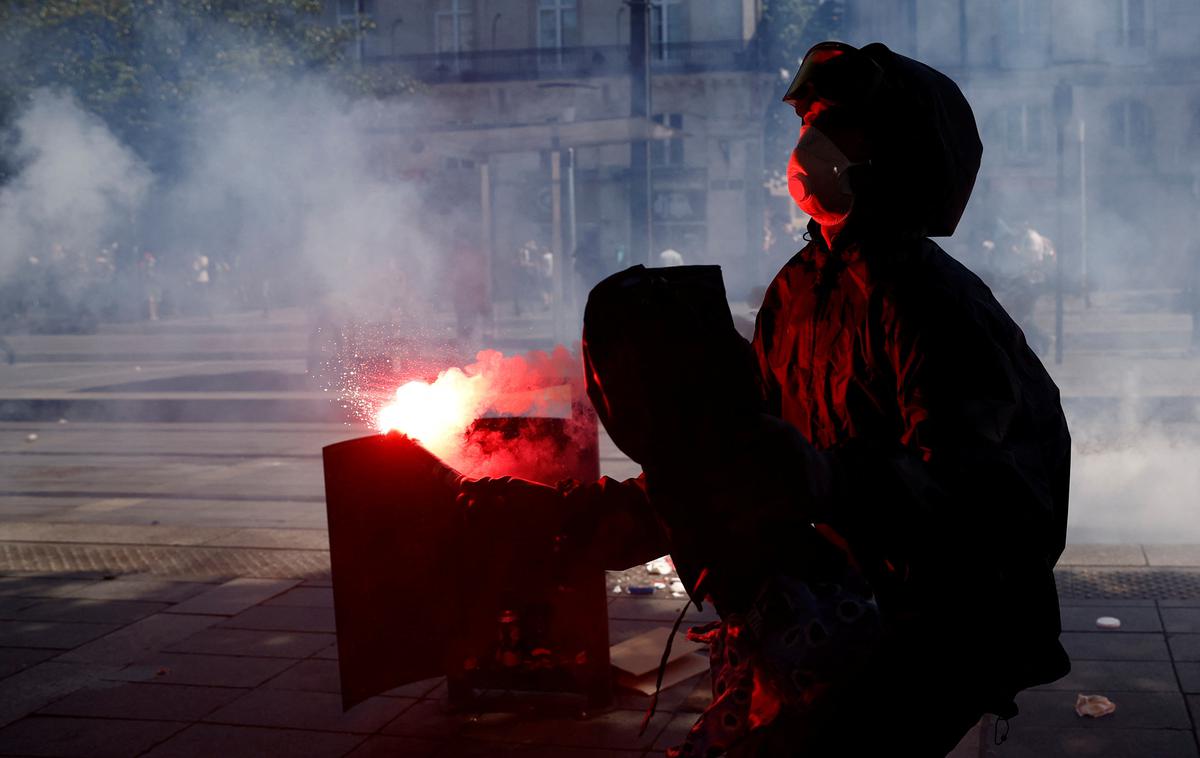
613 524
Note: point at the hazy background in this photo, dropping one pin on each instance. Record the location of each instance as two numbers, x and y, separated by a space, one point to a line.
315 169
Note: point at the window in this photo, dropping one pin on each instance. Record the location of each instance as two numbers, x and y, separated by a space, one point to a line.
1023 130
353 13
667 26
1131 23
667 152
454 26
557 24
1130 128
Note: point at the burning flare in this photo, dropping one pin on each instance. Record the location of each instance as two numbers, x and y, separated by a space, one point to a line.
435 414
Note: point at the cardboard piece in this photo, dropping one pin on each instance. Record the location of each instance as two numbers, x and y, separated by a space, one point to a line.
636 660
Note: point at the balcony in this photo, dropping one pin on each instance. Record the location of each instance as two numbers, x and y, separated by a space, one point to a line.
568 62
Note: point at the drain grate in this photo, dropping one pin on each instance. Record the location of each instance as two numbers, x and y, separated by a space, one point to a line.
1146 584
196 563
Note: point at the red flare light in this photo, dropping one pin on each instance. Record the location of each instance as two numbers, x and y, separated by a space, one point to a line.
435 414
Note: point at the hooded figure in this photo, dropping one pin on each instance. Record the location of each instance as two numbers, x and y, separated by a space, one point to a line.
941 434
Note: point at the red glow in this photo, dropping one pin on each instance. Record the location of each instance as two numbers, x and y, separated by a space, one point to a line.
435 414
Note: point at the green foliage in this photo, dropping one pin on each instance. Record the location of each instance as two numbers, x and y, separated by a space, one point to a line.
138 63
788 29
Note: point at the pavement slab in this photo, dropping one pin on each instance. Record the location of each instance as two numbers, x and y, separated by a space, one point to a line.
234 596
1189 677
1082 618
1103 555
134 588
265 644
309 710
90 611
156 702
287 618
1184 647
40 684
14 659
1183 620
225 741
1143 710
1034 742
63 737
50 634
203 670
1098 677
304 597
1113 646
139 639
314 675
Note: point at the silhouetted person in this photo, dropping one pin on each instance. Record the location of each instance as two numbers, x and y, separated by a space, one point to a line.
942 436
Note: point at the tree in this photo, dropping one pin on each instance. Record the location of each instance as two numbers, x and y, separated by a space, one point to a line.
138 63
787 30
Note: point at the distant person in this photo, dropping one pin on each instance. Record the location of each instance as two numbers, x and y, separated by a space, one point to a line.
201 281
152 290
670 257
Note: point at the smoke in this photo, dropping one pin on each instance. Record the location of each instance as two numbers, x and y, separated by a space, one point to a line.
77 188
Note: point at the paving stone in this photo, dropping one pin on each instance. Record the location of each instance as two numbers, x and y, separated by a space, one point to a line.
204 670
11 604
139 639
1077 618
211 740
39 585
290 709
1110 646
620 630
1030 742
657 609
87 738
1185 647
616 729
328 653
158 702
92 611
30 689
14 659
299 539
425 688
1173 555
134 588
384 746
1148 710
284 618
669 700
305 597
265 644
1114 676
1114 602
56 635
1185 620
235 596
1189 677
1102 555
311 675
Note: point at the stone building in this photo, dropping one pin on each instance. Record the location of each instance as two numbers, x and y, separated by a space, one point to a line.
1133 72
488 65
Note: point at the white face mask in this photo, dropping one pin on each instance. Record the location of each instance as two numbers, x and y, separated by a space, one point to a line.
817 178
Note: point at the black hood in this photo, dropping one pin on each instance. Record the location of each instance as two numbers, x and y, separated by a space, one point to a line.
665 367
925 146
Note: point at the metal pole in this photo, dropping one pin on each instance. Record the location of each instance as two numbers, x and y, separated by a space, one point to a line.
489 242
556 241
572 236
1063 97
640 232
1083 219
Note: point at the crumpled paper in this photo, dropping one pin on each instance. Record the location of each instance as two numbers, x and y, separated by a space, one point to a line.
1094 705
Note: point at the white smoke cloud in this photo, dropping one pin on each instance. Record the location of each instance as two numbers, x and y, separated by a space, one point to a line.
77 186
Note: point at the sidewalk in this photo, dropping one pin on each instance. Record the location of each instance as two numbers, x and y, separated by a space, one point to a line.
103 655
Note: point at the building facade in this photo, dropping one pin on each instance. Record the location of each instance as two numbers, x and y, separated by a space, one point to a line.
1132 71
491 63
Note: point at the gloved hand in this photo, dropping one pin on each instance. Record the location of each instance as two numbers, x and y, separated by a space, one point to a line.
509 500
